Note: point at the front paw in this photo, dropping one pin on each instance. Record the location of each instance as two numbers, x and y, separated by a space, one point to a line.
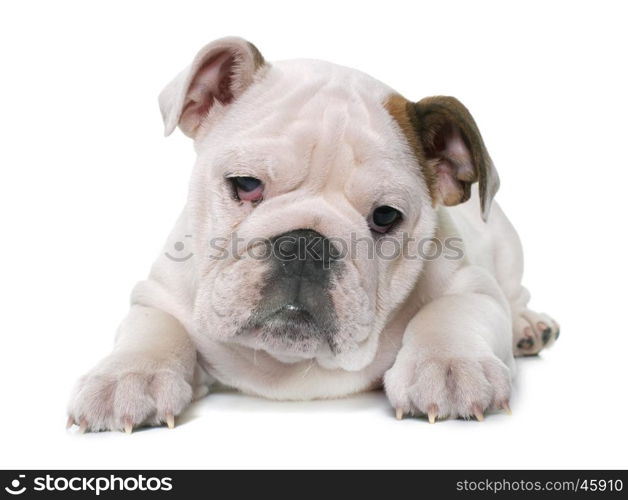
443 386
128 390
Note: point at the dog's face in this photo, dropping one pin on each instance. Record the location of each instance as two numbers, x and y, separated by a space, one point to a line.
312 199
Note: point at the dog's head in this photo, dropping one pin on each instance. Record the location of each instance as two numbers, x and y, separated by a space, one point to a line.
313 195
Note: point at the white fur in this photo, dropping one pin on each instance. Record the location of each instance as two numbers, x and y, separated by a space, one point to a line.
434 332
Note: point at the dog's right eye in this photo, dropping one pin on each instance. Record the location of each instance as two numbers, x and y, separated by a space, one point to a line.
247 188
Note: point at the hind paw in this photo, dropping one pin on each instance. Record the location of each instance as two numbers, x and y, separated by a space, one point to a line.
533 332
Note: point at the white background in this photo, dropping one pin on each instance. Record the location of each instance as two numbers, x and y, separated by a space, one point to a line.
90 188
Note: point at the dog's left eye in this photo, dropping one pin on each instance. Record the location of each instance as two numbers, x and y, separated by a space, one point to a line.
383 218
247 188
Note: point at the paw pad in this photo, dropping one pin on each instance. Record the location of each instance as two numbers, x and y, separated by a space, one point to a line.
532 332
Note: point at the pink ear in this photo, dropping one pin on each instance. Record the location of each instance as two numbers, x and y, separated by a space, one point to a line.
220 72
454 167
211 83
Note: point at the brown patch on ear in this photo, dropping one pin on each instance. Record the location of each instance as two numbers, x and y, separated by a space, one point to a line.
404 113
449 148
450 136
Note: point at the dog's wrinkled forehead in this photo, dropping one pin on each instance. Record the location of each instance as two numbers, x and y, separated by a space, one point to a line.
317 127
309 112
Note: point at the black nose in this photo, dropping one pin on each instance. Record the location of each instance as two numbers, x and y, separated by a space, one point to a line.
304 253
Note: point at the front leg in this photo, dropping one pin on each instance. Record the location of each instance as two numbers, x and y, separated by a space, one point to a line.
147 379
456 356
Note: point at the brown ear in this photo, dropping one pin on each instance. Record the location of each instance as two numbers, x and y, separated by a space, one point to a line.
220 72
454 153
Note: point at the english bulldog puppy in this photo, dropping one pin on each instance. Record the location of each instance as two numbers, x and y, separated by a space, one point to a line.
337 238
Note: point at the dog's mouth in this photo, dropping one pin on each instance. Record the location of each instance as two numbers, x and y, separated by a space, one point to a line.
294 314
289 328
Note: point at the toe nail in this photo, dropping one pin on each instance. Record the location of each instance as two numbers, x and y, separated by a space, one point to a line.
83 426
70 422
478 413
128 426
170 421
432 411
399 413
506 408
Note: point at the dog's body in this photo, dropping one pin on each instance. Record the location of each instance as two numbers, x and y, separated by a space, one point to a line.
321 155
